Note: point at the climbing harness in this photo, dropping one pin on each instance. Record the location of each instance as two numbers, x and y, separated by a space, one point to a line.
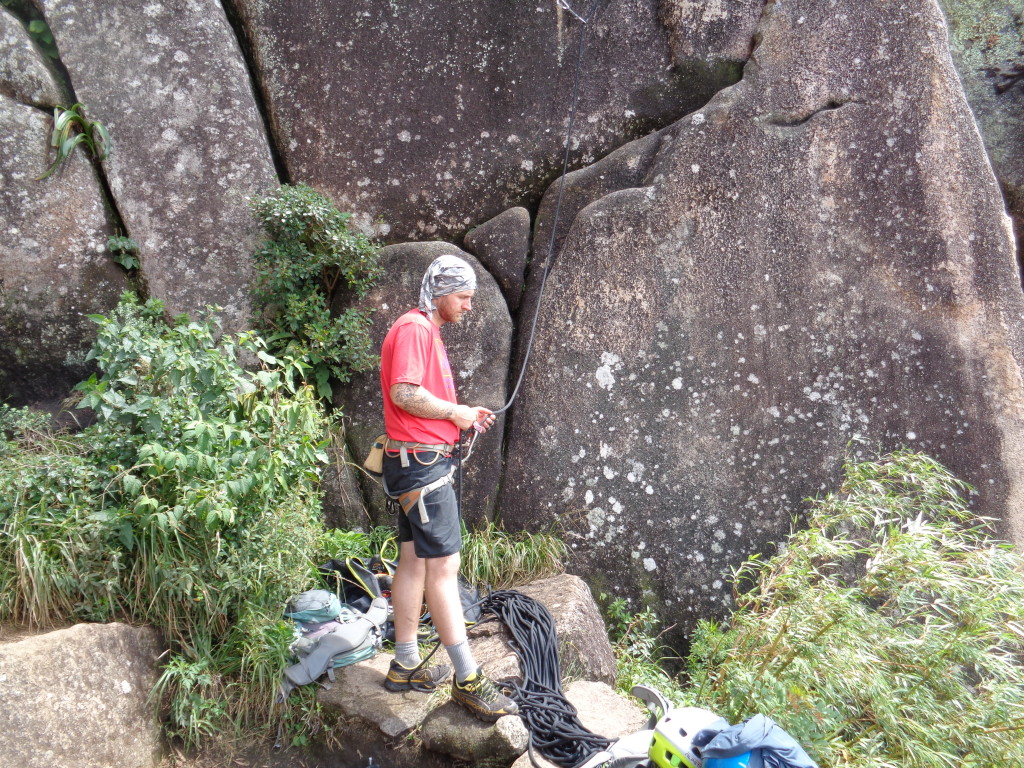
415 497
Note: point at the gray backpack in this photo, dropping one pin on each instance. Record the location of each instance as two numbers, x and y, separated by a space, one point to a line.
350 636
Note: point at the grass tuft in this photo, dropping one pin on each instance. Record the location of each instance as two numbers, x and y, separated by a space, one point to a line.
501 559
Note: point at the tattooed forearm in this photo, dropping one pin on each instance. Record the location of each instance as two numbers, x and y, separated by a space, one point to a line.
419 402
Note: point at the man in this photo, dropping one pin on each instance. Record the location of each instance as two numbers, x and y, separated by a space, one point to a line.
423 421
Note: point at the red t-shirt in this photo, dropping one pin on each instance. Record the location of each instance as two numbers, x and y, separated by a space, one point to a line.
414 353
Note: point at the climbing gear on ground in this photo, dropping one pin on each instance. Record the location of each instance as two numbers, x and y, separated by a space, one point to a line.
482 698
552 721
356 637
736 761
672 743
359 582
757 738
313 607
418 678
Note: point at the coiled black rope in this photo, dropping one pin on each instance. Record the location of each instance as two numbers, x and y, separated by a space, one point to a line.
555 728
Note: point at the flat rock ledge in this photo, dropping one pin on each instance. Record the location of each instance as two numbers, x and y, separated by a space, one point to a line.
79 698
417 729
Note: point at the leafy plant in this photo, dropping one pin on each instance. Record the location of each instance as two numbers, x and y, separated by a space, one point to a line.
70 128
40 32
124 250
337 544
310 258
888 633
191 504
639 658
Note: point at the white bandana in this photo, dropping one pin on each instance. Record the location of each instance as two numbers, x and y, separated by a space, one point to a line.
446 274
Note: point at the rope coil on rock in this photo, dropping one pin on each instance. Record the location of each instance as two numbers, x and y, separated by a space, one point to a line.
554 725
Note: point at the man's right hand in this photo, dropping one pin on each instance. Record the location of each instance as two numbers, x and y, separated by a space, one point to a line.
466 416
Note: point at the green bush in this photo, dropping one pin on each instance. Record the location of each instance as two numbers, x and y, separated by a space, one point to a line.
890 632
191 504
311 256
639 657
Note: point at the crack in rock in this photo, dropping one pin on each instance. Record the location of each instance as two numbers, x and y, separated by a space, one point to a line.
781 120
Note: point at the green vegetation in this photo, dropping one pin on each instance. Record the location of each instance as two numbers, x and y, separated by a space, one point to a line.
639 658
40 32
889 633
70 128
124 250
502 560
312 256
191 504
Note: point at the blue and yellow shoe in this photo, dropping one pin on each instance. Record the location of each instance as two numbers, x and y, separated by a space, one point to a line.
418 678
481 696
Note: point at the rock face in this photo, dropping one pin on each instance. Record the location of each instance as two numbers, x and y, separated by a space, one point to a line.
503 247
478 349
169 82
430 117
986 38
24 76
715 29
819 253
54 268
79 698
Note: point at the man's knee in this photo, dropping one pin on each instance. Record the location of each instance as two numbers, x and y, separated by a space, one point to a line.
441 569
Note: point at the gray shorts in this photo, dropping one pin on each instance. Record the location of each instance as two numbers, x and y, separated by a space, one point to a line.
441 534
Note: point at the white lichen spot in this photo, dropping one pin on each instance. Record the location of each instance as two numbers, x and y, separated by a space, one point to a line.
605 377
609 473
695 168
588 497
526 165
649 564
911 436
404 136
697 118
677 383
